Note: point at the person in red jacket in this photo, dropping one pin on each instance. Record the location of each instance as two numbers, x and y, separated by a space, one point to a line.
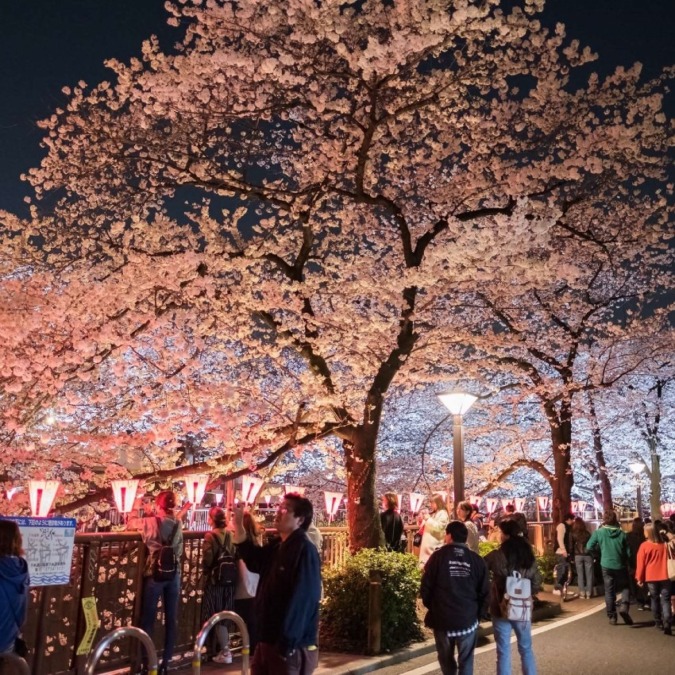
652 569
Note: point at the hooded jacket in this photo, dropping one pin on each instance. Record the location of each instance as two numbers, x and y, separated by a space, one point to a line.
613 544
14 581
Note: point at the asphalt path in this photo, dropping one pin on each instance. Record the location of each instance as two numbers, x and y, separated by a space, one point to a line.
581 644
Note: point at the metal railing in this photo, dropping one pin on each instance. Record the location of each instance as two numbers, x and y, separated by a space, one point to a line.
118 634
204 633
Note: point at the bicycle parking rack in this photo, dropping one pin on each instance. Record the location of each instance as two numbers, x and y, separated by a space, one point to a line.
20 666
204 633
117 634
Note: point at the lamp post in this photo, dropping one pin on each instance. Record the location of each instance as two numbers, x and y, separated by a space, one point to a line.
637 468
457 403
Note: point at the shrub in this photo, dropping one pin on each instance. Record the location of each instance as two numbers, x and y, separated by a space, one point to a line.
344 613
485 547
546 563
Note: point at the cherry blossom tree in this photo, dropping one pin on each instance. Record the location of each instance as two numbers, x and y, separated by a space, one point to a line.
315 191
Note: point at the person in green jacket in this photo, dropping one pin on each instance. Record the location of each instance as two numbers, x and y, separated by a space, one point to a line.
614 557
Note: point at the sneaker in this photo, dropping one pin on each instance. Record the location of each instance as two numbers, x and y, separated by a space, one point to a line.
223 657
612 620
626 618
557 591
667 630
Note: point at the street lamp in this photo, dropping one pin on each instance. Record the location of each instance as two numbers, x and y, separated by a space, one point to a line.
457 403
637 468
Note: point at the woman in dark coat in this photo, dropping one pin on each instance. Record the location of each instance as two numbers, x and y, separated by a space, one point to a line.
14 583
392 524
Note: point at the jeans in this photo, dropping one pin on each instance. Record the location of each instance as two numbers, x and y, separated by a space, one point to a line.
169 591
445 647
502 632
561 569
616 581
659 594
584 565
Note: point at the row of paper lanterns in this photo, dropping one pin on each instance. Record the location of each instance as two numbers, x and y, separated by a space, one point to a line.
43 492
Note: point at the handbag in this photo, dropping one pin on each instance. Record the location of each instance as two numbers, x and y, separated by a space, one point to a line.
247 582
417 539
670 563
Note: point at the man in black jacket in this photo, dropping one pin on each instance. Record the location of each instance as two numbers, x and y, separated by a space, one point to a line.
287 600
455 591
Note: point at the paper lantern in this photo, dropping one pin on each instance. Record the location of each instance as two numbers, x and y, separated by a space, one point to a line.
506 502
416 501
574 506
124 492
442 493
218 497
581 507
294 488
474 500
520 503
11 492
195 486
268 499
333 500
491 503
400 501
543 503
250 487
42 494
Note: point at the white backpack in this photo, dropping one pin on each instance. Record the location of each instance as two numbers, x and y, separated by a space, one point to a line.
517 604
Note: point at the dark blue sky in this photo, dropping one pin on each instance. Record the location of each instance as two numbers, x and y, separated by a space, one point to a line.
47 44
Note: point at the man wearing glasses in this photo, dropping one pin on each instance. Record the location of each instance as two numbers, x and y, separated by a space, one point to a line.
287 600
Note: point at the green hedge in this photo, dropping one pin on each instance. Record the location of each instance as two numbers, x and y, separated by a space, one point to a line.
344 612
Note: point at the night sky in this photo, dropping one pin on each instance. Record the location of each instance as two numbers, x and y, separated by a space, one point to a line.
48 44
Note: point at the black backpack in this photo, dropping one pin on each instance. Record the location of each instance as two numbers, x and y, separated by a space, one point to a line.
165 565
224 568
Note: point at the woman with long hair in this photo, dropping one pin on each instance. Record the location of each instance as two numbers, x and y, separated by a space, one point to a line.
514 554
583 560
243 597
391 521
652 569
434 528
164 528
14 582
217 597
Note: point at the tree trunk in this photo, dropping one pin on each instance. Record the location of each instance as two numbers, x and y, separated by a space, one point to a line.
605 485
363 516
655 483
560 423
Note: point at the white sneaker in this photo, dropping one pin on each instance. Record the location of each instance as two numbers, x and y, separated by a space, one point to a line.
223 657
557 591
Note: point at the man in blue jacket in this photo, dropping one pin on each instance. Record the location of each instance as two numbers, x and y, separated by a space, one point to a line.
287 600
455 591
14 583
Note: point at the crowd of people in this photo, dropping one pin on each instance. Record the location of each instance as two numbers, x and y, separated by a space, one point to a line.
276 586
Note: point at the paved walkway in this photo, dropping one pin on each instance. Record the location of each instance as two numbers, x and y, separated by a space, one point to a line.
331 663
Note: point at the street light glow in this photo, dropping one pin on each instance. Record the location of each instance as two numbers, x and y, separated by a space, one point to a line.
457 402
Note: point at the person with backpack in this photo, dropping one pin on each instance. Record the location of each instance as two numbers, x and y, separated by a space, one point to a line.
219 568
163 536
514 558
14 583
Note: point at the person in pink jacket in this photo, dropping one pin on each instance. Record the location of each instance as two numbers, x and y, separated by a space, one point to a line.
652 570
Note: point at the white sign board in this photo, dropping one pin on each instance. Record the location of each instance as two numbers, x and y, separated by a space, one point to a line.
48 545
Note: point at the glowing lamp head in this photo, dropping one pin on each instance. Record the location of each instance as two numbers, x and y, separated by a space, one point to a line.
457 402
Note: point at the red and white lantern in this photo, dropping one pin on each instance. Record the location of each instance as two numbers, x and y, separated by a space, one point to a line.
542 502
491 503
295 489
42 494
333 500
416 501
195 485
250 487
520 503
124 492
